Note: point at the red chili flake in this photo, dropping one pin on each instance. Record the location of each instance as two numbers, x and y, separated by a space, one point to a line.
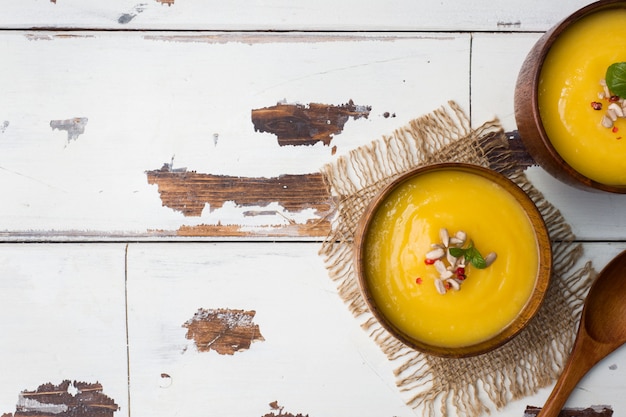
613 99
619 137
448 285
615 129
429 261
418 281
596 105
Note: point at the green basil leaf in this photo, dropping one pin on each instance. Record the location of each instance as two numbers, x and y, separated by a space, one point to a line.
478 261
456 252
616 78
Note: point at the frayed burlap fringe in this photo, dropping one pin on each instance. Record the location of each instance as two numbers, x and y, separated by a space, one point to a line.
468 386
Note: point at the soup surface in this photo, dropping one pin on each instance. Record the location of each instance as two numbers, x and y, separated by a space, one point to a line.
570 82
401 233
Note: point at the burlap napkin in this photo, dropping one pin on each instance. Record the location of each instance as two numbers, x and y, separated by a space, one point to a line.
469 386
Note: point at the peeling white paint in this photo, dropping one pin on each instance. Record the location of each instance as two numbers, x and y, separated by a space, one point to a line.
272 214
74 127
72 389
127 17
29 404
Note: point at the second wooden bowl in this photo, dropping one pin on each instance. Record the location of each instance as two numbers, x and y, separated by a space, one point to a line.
566 165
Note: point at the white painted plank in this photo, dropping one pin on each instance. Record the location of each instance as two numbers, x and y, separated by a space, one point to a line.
496 60
315 359
420 15
148 97
592 215
63 318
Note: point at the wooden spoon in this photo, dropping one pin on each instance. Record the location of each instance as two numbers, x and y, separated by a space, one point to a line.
602 329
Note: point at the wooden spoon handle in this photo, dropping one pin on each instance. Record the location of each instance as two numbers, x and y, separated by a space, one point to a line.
585 354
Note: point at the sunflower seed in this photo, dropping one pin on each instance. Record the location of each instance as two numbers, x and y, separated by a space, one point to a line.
444 236
454 284
617 109
437 253
490 258
441 287
606 122
443 271
452 260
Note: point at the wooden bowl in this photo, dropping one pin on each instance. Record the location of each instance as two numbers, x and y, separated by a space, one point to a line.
527 110
493 304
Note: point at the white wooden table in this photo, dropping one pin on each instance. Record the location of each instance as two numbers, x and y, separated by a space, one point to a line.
99 272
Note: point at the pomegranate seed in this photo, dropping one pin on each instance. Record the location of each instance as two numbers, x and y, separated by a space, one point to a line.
596 105
613 99
461 277
460 271
615 129
429 261
418 281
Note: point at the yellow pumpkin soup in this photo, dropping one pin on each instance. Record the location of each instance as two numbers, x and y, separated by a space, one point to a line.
407 227
572 102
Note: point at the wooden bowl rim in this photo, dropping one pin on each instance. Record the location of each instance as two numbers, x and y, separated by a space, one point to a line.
546 42
527 312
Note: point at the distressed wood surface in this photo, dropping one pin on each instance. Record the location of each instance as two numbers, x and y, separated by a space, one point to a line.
68 316
92 149
176 121
63 325
130 135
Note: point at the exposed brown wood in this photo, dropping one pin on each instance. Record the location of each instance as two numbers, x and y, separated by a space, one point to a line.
68 399
517 157
297 124
275 407
594 411
188 192
225 331
312 228
519 153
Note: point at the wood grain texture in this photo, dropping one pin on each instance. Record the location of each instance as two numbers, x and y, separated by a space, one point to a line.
189 192
67 399
224 330
309 229
297 124
596 411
